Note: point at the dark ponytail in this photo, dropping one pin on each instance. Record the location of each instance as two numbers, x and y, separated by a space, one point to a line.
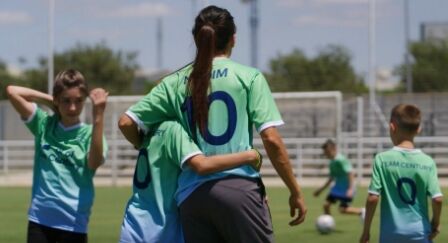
199 83
213 30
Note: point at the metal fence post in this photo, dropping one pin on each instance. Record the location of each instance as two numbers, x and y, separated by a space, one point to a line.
114 166
5 159
299 161
360 140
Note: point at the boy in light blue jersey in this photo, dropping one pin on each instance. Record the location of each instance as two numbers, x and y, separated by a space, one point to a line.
67 154
151 213
343 189
404 177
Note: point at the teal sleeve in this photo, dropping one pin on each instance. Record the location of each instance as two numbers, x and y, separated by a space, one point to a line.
433 184
375 186
154 108
181 147
36 122
347 166
263 111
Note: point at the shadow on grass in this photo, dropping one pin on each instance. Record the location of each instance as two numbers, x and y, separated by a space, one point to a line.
333 232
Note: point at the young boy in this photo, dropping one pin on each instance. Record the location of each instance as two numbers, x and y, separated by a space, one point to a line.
151 213
344 186
404 177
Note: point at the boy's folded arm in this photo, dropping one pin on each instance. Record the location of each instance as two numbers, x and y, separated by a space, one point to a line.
205 165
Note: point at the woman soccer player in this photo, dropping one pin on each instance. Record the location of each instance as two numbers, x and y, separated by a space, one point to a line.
67 153
219 101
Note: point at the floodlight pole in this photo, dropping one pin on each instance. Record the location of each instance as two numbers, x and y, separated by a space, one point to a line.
50 81
159 36
372 64
408 46
193 9
253 21
375 109
254 32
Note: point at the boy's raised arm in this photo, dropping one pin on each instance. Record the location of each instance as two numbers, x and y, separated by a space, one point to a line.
22 99
99 100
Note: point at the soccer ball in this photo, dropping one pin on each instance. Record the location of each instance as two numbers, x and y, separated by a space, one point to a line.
325 224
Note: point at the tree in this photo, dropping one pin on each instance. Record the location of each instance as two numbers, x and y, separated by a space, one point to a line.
429 66
331 69
100 65
5 79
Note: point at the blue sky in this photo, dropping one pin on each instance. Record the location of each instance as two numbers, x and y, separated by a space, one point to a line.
284 25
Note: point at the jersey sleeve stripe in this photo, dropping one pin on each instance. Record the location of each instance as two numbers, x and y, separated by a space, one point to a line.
270 124
140 124
437 195
187 157
31 117
373 192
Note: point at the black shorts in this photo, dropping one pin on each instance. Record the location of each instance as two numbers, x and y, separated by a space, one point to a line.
38 233
344 202
232 209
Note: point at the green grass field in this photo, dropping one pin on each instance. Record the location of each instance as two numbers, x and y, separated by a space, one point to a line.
110 202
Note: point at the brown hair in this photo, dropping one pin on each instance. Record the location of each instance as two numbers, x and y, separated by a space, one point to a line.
212 32
329 144
406 117
67 79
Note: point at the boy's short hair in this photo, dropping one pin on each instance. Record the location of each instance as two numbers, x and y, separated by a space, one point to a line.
407 117
329 144
67 79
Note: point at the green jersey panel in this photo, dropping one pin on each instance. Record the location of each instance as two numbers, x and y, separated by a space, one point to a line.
262 105
151 214
340 167
36 122
404 179
239 99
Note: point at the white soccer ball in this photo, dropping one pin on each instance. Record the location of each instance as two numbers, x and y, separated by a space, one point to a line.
325 224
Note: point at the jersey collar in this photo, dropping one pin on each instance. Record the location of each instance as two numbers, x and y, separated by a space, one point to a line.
69 128
220 58
407 150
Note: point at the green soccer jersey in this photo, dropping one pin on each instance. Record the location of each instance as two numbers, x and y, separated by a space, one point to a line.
239 99
151 214
63 192
404 178
340 168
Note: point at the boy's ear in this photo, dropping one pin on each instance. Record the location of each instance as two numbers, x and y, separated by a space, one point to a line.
392 127
419 129
233 40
